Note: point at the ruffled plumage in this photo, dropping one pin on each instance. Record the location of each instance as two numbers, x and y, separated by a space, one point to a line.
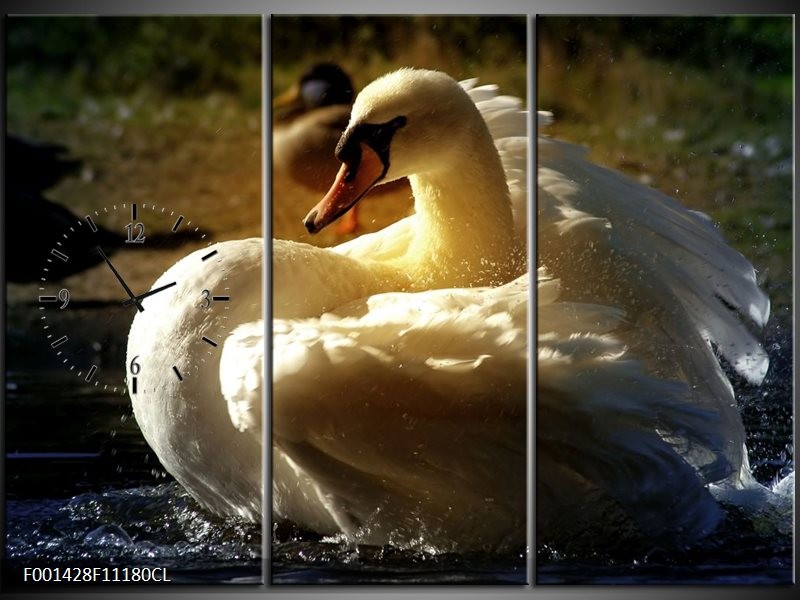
649 301
399 408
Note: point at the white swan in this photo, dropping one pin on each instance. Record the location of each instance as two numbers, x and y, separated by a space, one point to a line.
373 485
399 365
399 357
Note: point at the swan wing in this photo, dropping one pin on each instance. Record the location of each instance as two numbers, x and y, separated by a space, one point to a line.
389 243
407 411
241 375
618 435
514 156
687 294
507 121
677 250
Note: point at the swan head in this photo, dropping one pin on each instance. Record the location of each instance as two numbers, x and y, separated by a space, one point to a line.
408 122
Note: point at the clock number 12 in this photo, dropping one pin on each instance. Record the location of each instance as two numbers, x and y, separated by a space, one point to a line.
139 227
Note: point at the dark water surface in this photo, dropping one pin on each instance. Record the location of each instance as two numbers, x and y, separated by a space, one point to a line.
84 489
307 561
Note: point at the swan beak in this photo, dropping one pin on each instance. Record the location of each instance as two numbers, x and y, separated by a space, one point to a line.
352 183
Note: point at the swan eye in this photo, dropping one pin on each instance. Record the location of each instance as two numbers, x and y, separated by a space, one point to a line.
376 136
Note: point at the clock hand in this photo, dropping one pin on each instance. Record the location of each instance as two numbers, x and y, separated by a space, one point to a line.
122 282
146 294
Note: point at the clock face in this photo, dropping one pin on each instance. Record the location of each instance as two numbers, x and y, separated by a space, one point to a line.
98 275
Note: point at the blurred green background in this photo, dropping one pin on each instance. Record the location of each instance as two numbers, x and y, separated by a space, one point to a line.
158 56
699 107
492 48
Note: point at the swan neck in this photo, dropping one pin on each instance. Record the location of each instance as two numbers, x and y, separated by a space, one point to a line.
465 219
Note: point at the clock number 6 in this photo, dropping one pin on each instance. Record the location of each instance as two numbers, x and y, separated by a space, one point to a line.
135 366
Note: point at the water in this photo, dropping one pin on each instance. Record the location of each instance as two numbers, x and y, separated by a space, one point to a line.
154 526
83 489
742 551
303 558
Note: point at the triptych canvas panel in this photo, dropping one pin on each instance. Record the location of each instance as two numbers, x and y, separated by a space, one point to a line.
297 300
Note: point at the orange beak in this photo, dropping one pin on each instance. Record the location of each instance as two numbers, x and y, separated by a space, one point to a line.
347 189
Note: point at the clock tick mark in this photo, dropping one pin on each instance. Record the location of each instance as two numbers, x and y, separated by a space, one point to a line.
177 373
59 341
208 341
209 255
91 373
177 224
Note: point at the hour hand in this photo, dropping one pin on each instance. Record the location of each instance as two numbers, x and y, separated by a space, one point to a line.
121 281
146 294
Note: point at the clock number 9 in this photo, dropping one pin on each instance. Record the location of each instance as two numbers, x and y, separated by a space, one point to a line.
135 366
139 239
63 295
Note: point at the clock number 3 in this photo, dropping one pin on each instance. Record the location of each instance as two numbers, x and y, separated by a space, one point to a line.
139 238
206 301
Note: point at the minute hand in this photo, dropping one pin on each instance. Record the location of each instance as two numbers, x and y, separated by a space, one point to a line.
122 282
146 294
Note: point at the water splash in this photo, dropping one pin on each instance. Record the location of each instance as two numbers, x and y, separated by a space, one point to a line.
145 526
